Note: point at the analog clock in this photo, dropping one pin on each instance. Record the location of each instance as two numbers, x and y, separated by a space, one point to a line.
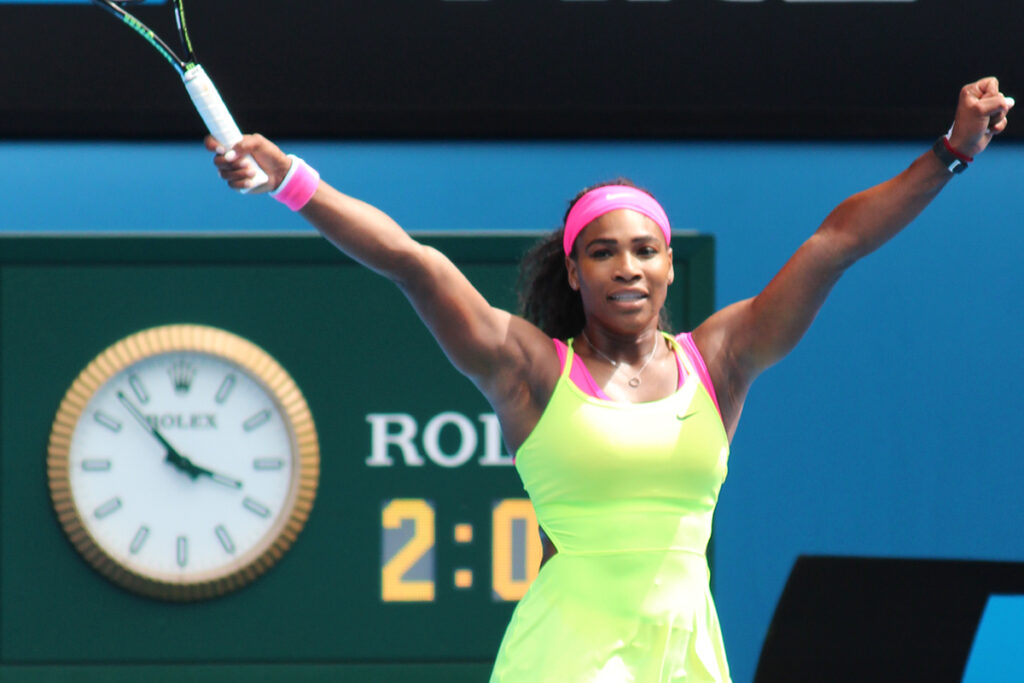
183 462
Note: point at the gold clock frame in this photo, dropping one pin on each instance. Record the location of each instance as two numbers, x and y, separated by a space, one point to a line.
260 366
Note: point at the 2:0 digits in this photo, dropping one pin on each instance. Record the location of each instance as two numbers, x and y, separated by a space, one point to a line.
408 540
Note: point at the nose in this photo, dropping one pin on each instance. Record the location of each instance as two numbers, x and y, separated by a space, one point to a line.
627 267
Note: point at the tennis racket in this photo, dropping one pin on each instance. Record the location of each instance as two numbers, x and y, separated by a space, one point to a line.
204 94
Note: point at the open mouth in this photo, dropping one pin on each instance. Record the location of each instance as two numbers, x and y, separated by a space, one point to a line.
628 296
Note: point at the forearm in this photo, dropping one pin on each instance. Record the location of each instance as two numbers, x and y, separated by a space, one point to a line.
743 339
868 219
760 331
363 232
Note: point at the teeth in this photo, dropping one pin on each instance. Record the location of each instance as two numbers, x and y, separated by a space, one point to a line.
627 297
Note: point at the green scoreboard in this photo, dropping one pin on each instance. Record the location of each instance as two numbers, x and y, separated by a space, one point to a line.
148 388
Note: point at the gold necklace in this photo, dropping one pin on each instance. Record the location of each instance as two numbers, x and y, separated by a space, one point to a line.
634 381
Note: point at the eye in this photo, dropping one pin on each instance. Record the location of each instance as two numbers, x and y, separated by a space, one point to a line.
600 252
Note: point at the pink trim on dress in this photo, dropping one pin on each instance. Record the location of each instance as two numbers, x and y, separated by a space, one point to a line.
581 377
693 353
578 373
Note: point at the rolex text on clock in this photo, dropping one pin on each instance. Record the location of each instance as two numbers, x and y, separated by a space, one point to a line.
183 462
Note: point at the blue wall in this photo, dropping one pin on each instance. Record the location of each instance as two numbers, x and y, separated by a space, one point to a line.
892 430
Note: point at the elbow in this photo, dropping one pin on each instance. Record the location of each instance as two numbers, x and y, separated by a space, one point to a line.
412 265
839 245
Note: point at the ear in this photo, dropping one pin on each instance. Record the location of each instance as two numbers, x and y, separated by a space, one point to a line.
671 267
574 274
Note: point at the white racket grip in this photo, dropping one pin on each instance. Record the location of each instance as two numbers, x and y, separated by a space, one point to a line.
216 116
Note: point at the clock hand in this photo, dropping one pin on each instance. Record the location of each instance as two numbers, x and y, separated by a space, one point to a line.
195 471
175 458
219 478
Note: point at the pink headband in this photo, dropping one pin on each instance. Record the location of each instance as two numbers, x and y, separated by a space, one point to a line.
601 200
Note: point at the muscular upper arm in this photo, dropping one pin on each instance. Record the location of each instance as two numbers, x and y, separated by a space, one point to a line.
491 346
743 339
481 341
509 359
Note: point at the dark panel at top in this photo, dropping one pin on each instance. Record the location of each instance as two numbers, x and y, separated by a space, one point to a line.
515 68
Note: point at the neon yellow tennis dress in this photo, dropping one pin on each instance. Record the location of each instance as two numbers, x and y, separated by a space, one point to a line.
626 493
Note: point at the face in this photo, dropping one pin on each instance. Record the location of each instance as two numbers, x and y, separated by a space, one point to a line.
622 270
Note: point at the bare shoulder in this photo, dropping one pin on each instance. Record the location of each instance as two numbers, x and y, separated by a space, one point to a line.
719 340
529 367
522 384
717 336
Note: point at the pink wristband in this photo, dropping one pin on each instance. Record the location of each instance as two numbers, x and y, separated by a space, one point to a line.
298 186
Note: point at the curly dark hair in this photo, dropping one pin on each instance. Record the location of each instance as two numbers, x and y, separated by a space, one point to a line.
545 297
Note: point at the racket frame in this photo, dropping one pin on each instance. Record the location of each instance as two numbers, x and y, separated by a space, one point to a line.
205 98
149 35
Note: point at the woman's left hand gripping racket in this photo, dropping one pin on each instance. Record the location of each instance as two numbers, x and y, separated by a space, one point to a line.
204 95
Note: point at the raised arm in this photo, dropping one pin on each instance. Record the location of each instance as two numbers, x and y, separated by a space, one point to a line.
743 339
497 350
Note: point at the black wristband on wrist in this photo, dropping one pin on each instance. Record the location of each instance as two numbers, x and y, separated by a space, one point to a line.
949 160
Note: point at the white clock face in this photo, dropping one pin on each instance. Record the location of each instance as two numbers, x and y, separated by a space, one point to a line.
153 513
183 467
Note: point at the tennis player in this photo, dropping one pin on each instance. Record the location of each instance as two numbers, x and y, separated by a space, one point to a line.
621 430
